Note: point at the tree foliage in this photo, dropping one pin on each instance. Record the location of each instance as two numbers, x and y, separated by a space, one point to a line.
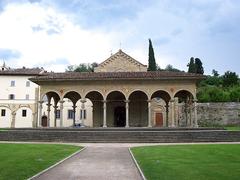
215 73
152 66
191 66
195 66
230 79
169 67
83 67
216 88
198 66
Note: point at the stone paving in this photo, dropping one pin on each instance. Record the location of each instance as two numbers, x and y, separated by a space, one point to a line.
99 162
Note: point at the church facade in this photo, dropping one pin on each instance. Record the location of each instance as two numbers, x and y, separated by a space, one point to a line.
122 94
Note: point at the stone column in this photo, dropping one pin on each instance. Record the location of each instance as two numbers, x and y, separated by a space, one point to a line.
55 115
83 107
195 113
149 113
167 114
13 119
33 119
40 113
172 113
48 114
61 113
104 113
74 114
127 113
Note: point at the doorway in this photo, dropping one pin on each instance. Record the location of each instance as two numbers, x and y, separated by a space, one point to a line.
159 119
120 116
44 121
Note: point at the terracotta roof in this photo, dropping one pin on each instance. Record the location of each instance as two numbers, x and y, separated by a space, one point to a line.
22 71
86 76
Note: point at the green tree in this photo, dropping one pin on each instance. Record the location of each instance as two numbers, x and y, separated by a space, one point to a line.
169 67
230 79
83 67
235 94
191 66
212 94
151 59
215 73
198 66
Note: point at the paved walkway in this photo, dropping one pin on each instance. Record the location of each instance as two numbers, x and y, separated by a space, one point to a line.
101 163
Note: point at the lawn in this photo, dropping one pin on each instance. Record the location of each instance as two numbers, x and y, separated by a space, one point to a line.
21 161
233 128
198 162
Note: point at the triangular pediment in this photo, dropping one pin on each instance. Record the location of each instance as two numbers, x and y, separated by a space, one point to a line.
120 62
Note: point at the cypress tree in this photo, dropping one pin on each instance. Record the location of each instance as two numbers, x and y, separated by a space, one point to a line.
151 59
199 67
191 66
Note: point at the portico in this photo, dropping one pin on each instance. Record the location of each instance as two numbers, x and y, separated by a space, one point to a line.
129 98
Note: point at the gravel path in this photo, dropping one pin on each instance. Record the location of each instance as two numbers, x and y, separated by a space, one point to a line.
110 163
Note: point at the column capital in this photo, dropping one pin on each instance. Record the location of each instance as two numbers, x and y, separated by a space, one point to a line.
195 100
127 101
74 106
172 100
55 106
104 101
40 102
61 102
83 100
149 100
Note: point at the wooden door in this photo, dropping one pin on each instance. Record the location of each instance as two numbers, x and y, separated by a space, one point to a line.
159 119
44 121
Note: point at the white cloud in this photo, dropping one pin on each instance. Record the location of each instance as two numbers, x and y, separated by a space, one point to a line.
25 27
46 32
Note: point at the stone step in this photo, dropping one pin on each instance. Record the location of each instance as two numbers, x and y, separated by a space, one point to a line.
120 136
115 129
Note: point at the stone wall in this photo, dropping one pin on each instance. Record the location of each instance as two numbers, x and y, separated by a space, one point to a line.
218 114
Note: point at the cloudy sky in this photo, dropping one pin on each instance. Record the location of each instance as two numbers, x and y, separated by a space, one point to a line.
56 33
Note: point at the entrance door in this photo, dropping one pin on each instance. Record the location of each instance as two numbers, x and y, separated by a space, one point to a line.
120 116
159 119
44 121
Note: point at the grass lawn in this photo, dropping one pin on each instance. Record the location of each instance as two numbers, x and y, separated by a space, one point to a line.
233 128
21 161
189 162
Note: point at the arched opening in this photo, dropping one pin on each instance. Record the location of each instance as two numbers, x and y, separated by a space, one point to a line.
50 107
97 108
52 95
71 111
184 108
116 109
73 96
160 108
138 109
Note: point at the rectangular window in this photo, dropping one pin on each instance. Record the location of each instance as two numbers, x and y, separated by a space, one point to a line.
24 113
83 114
11 96
3 112
70 114
27 96
12 83
27 83
58 114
